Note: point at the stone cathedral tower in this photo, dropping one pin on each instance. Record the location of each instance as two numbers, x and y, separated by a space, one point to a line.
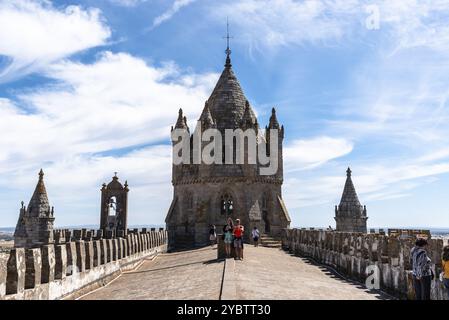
209 194
35 225
350 215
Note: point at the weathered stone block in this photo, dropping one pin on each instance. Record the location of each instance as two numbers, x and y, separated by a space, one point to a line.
137 242
48 263
16 269
3 272
77 234
114 249
33 264
129 244
89 252
71 258
80 256
103 252
99 234
125 247
109 250
97 253
60 261
119 248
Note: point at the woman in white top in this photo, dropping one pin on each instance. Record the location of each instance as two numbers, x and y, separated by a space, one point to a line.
256 234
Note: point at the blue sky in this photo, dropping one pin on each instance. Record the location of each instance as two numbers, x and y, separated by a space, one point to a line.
88 88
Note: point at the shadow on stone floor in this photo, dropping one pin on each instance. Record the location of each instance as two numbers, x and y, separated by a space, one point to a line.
175 266
212 261
334 275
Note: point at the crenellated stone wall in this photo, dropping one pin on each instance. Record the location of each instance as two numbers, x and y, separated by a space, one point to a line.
355 255
78 262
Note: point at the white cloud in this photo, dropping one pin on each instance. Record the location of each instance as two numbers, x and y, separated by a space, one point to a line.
84 112
167 15
306 154
265 23
403 23
33 34
78 125
127 3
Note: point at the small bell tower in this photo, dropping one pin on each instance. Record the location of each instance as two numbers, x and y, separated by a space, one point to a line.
114 206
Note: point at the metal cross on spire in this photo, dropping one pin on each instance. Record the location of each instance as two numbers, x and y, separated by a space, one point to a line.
228 50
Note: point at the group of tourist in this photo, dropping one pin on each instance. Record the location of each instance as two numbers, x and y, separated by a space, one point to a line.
423 273
233 235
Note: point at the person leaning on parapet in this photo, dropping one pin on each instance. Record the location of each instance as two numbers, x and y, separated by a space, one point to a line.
422 273
238 239
228 238
445 264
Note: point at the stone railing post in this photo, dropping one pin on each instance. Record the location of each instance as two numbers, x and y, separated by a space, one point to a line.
97 253
48 263
33 265
80 255
129 250
108 250
89 250
3 273
15 277
60 262
119 248
103 252
125 247
71 258
114 249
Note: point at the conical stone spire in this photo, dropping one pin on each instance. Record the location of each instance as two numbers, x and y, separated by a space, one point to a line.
227 103
349 197
350 214
274 124
39 205
35 224
206 117
181 123
248 121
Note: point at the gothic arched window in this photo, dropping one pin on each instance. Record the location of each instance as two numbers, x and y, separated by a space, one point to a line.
227 205
112 206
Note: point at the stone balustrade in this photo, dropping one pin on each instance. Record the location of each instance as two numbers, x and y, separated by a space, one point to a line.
78 261
359 255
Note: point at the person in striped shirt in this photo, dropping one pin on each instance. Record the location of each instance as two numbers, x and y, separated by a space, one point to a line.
422 273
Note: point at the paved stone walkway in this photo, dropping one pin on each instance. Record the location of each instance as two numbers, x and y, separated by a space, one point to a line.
265 273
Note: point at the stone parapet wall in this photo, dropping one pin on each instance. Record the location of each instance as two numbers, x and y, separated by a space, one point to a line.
356 254
72 267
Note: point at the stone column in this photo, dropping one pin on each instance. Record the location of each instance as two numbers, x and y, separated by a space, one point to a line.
151 240
89 251
97 253
80 256
15 278
48 263
103 252
33 265
143 242
114 249
61 262
71 258
3 273
125 247
133 244
119 248
109 250
129 245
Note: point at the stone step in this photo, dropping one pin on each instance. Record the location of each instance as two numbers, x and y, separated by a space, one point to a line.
272 245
